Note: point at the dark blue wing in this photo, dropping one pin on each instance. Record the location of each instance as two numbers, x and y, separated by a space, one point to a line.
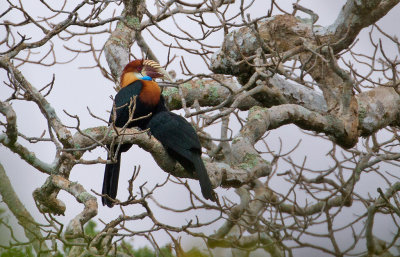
174 132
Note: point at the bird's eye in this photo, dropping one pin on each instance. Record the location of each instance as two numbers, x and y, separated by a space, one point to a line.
139 69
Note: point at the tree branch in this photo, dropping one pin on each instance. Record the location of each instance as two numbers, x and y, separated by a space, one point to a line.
371 114
25 219
118 46
354 16
47 110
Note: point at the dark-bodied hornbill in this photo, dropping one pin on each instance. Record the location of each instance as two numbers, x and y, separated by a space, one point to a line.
174 132
136 80
181 142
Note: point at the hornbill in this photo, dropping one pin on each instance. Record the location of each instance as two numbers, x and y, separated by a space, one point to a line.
181 142
136 80
174 132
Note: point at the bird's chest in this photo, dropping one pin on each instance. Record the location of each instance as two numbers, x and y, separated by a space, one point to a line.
147 99
150 93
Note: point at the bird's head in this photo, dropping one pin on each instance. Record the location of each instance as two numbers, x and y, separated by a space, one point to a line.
142 70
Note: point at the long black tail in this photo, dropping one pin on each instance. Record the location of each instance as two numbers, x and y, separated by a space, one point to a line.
110 181
205 183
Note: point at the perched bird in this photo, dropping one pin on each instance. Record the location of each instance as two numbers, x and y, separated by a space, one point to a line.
181 142
136 80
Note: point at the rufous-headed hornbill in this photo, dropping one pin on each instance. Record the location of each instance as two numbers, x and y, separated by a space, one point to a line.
136 80
181 142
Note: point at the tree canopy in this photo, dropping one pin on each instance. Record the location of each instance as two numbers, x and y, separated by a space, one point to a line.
326 184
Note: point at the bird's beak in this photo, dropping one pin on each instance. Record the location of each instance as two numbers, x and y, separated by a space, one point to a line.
154 70
165 74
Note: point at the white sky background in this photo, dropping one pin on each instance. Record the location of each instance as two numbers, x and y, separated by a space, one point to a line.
75 89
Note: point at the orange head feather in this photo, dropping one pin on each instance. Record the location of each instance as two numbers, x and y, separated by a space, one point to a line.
129 73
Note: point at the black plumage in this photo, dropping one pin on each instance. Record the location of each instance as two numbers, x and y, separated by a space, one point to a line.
123 100
182 143
123 104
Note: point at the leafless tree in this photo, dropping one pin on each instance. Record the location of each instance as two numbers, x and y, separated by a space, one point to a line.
262 73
